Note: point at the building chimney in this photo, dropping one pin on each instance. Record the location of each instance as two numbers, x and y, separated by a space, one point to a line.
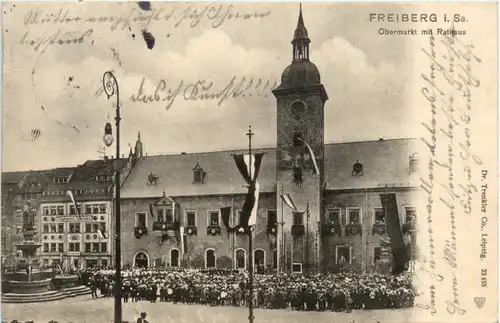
380 139
183 153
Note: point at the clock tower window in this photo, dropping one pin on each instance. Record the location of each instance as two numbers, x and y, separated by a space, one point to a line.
297 174
296 139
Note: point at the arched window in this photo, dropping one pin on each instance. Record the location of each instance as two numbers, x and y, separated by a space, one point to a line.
210 258
259 257
240 259
357 169
174 257
141 259
275 258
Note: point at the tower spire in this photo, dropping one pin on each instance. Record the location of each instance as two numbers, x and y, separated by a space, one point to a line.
301 39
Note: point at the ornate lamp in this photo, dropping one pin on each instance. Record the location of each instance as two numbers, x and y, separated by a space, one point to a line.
108 135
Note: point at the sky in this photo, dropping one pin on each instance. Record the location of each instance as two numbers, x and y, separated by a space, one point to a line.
54 113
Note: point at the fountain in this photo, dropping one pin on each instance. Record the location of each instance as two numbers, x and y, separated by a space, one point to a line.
27 283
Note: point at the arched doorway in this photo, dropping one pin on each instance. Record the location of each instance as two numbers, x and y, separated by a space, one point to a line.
259 257
174 258
240 259
141 260
210 258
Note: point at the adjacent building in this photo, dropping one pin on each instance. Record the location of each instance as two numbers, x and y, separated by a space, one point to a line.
360 186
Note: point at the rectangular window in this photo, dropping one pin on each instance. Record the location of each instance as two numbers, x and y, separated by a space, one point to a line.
88 227
74 246
214 218
377 252
191 218
169 216
238 217
296 267
272 217
46 210
298 218
102 208
45 228
102 226
95 247
410 214
379 216
95 209
159 215
354 215
45 247
53 228
74 227
104 247
95 227
88 247
198 176
104 262
53 247
343 255
88 209
60 228
296 139
19 230
140 219
53 210
60 210
333 217
60 247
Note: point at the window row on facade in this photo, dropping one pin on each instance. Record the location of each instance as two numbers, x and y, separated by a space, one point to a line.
91 191
88 247
90 208
353 215
75 227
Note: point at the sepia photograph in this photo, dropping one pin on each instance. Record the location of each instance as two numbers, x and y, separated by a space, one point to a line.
255 161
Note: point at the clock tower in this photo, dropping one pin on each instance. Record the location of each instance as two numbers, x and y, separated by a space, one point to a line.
300 122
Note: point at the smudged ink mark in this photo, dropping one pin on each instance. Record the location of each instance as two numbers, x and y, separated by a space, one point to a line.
70 79
133 36
42 108
149 38
35 134
116 56
168 35
92 42
144 5
77 130
76 86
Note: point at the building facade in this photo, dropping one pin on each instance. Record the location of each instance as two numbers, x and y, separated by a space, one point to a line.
360 188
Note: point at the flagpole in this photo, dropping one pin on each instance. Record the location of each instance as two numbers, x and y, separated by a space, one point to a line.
250 247
307 239
282 238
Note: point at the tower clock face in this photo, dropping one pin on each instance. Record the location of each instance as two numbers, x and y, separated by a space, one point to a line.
297 109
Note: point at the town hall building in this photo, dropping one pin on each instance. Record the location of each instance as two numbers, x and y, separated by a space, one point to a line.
171 204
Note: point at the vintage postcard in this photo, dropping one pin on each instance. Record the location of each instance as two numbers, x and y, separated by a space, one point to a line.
270 162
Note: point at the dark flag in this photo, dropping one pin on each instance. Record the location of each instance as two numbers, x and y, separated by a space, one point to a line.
246 164
398 247
151 210
225 213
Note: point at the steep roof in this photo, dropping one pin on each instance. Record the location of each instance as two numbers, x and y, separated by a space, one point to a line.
12 177
384 161
175 175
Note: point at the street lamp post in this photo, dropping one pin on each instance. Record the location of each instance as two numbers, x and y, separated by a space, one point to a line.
110 85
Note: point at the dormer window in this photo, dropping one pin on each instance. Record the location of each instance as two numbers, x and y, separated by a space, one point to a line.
198 174
414 163
60 180
152 179
357 169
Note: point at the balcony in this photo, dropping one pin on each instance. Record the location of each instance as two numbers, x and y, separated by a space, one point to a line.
353 229
163 226
213 230
140 231
409 226
192 230
379 229
298 230
332 230
272 229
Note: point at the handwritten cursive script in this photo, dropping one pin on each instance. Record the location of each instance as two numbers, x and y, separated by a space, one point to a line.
448 90
55 38
191 16
202 90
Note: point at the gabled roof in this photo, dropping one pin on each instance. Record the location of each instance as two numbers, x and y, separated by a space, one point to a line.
384 162
176 176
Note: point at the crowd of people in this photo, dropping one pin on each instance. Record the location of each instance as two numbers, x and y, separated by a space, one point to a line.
218 287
